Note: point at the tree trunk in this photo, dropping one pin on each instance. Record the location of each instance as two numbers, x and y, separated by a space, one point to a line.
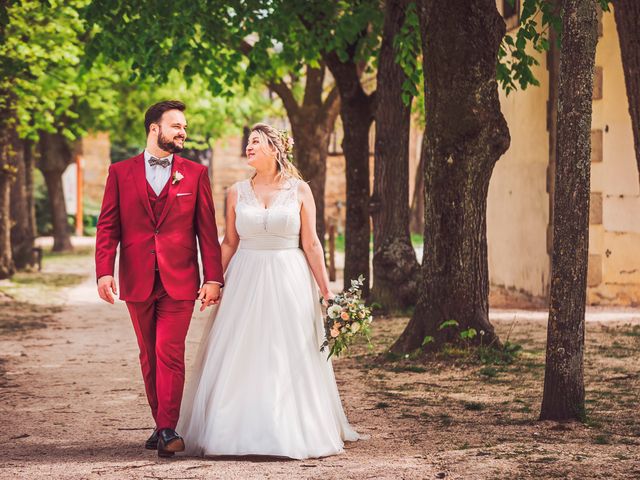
7 176
356 111
356 120
395 267
7 170
563 397
29 166
465 135
7 267
22 231
627 14
416 221
55 156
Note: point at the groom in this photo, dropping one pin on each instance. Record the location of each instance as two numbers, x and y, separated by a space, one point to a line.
155 206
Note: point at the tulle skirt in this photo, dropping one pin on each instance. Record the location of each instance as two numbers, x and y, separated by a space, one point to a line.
260 385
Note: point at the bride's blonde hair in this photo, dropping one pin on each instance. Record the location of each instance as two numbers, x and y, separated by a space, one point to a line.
282 144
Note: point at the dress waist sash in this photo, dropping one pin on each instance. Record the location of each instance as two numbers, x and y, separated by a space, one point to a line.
270 242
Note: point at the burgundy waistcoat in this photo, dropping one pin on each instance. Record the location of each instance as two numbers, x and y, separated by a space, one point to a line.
158 202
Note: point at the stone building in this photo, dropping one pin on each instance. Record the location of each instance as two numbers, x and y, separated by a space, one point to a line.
519 220
94 150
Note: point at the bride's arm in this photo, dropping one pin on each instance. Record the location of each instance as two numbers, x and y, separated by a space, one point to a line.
310 241
231 239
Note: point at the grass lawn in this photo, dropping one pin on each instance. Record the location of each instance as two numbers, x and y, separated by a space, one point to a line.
416 239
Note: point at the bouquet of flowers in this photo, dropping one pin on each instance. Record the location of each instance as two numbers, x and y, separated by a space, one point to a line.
347 316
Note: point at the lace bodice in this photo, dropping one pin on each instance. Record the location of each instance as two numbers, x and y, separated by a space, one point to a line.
272 228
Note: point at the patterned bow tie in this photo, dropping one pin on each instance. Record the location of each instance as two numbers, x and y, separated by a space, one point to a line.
163 162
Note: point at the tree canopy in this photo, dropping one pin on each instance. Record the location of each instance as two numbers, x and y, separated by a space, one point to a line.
40 61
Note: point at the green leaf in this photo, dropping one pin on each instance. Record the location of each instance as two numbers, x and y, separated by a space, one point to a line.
447 324
468 334
513 59
407 46
428 339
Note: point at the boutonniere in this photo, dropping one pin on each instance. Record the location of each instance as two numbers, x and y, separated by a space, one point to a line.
177 176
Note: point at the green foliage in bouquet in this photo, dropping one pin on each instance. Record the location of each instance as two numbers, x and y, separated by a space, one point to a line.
347 318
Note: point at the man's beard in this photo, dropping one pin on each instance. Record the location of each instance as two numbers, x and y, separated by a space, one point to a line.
167 144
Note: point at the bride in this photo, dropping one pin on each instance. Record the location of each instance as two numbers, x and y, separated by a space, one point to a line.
260 385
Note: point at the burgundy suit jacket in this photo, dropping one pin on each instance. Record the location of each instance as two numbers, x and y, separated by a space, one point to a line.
126 219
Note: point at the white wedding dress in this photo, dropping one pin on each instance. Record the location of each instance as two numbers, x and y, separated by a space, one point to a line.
260 385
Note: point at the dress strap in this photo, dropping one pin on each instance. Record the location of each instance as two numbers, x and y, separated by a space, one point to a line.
244 192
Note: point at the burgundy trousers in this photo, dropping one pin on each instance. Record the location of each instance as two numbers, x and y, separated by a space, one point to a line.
161 325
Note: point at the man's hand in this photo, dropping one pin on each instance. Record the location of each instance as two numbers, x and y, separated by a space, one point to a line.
107 285
208 295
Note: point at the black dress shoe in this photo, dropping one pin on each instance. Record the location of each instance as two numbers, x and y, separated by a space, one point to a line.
169 442
152 441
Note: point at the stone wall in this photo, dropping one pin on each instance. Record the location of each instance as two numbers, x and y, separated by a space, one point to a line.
614 237
518 208
94 151
518 203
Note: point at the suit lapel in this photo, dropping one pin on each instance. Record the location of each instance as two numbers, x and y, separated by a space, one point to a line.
140 181
176 166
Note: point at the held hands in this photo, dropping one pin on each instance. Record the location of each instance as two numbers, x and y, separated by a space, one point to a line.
209 295
106 286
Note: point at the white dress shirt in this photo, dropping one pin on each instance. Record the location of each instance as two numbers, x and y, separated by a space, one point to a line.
157 176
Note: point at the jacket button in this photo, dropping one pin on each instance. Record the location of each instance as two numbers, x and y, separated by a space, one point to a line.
157 232
153 251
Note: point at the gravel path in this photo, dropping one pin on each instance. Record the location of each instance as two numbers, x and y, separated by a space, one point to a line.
72 406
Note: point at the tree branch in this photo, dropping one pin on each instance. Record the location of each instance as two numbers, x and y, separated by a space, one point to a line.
331 107
279 87
286 95
345 74
348 79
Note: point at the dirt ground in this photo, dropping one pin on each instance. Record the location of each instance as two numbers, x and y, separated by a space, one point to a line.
72 404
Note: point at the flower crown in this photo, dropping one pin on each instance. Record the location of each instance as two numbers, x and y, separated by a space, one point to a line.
287 144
